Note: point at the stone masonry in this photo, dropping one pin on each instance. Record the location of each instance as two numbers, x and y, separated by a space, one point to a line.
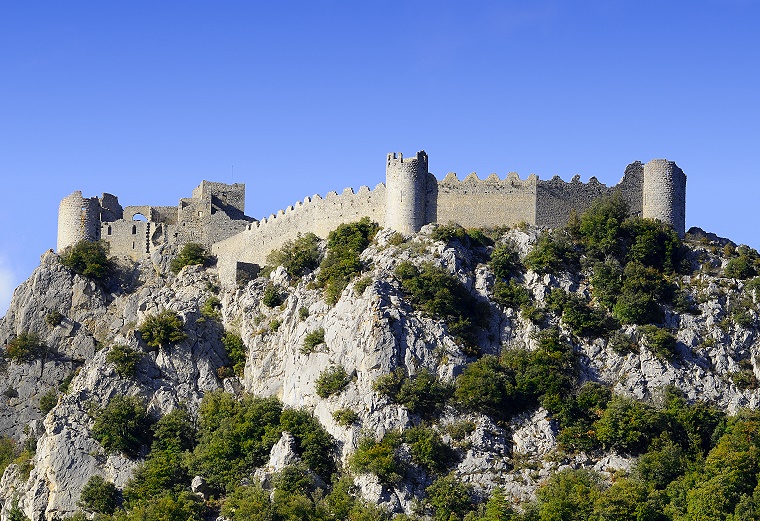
410 198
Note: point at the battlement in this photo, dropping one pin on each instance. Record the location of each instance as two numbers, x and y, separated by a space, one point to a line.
410 198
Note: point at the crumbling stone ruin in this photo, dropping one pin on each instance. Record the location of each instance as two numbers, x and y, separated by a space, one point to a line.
410 198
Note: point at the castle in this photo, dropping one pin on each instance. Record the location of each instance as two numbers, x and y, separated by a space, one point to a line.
410 198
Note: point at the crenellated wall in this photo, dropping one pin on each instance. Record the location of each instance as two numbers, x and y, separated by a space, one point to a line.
410 198
487 203
315 214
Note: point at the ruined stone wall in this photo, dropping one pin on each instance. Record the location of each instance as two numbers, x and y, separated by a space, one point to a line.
492 202
315 214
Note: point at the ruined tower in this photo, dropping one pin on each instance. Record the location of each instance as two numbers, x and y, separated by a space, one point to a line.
78 219
406 192
664 194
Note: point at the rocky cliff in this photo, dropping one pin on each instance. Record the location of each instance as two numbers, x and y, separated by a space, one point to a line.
372 330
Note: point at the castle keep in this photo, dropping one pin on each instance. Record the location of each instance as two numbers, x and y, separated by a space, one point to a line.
410 198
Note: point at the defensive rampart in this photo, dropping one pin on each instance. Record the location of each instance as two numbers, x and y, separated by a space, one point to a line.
410 198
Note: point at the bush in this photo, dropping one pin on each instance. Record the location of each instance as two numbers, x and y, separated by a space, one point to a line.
8 452
298 256
423 394
569 495
26 347
331 381
428 449
312 340
271 297
212 308
89 259
484 386
623 343
553 252
48 401
379 458
660 342
122 426
600 226
450 232
741 267
54 318
505 262
511 294
642 291
192 254
449 499
99 495
362 284
236 351
653 244
124 359
436 292
342 263
181 506
628 425
345 417
313 443
163 329
303 313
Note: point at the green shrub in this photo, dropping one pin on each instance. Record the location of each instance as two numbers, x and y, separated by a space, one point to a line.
448 499
505 262
744 379
450 232
577 414
342 263
607 282
511 294
66 382
436 292
8 452
312 340
741 267
362 284
303 313
16 514
628 425
182 506
27 346
271 297
89 259
236 351
569 495
584 320
192 254
174 432
345 417
313 443
99 495
653 244
553 252
331 381
249 502
660 342
642 291
428 449
423 394
379 458
623 343
234 437
54 318
484 386
298 256
212 308
600 226
48 401
163 329
122 426
124 359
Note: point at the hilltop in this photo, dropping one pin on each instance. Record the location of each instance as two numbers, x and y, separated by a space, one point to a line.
473 373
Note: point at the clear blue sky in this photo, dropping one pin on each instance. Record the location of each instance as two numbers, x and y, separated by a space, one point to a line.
146 99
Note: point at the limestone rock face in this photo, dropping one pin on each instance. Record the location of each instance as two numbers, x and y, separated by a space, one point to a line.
370 331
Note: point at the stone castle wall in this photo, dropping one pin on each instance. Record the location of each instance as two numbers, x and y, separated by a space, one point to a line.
411 198
315 214
488 203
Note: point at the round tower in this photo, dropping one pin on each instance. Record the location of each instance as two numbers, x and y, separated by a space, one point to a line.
406 192
78 219
664 194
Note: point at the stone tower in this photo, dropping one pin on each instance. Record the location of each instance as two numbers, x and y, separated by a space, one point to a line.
664 194
406 192
78 219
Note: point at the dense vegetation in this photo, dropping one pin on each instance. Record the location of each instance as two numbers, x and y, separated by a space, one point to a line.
163 329
342 263
191 254
89 259
299 256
